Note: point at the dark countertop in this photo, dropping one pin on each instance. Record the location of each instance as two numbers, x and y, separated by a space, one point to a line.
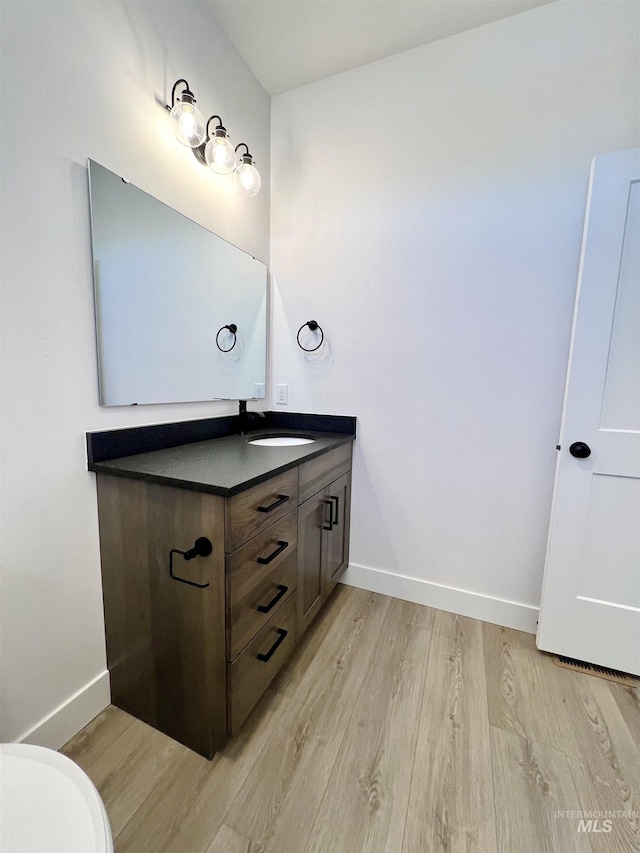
221 466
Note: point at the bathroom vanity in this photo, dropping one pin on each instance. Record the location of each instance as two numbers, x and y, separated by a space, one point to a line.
196 632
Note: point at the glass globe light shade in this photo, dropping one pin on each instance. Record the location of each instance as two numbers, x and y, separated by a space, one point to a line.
246 178
219 153
190 123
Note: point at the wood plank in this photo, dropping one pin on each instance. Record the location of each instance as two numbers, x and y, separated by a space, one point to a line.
532 782
227 840
87 747
279 800
153 823
332 614
365 802
152 760
573 713
125 758
408 613
628 701
607 768
521 685
451 802
227 773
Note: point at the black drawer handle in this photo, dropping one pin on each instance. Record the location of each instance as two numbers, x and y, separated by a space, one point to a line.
328 524
273 648
281 500
334 521
264 561
265 608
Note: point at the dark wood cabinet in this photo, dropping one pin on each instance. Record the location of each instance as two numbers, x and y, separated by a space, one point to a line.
165 640
336 547
311 544
323 533
193 659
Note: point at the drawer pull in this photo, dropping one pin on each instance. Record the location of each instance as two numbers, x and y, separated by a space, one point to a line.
334 521
265 608
281 500
272 650
328 524
264 561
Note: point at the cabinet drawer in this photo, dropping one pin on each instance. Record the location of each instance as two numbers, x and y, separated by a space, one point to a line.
246 619
317 473
251 564
252 511
254 669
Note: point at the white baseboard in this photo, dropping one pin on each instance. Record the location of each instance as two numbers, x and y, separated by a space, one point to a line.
487 608
67 719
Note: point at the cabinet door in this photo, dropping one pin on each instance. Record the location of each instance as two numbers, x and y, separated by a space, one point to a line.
313 514
336 549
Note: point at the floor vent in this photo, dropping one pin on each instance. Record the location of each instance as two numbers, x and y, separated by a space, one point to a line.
599 671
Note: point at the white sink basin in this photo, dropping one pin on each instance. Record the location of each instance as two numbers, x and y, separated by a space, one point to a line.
281 441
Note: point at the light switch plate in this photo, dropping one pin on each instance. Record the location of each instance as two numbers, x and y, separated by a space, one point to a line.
282 394
258 390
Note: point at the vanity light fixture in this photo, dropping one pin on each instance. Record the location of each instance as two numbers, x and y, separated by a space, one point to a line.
217 153
190 123
212 149
246 178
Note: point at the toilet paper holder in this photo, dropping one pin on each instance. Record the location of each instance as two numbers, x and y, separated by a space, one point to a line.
202 547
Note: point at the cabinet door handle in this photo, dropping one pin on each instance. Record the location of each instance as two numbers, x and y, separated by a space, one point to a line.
327 525
265 608
281 500
282 634
264 561
334 521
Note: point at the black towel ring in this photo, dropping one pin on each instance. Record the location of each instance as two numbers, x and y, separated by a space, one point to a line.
313 326
233 329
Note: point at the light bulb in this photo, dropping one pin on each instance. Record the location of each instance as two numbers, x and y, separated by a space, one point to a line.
219 153
246 178
190 123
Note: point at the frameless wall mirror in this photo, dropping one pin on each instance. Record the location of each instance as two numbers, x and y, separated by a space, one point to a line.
180 313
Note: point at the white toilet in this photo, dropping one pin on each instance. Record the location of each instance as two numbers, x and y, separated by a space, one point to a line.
48 804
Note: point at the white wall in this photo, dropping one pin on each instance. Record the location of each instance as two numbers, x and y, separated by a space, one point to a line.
427 210
79 80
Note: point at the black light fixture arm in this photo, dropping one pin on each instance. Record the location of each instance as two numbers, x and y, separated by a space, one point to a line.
187 91
219 126
314 326
240 145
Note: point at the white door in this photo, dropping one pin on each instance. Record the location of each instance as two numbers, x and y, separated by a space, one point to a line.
590 607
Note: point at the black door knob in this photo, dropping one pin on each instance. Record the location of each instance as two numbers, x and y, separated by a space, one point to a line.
580 450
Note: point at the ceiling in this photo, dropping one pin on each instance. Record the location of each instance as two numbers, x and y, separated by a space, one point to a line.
289 43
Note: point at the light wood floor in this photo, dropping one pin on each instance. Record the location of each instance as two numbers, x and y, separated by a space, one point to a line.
394 729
